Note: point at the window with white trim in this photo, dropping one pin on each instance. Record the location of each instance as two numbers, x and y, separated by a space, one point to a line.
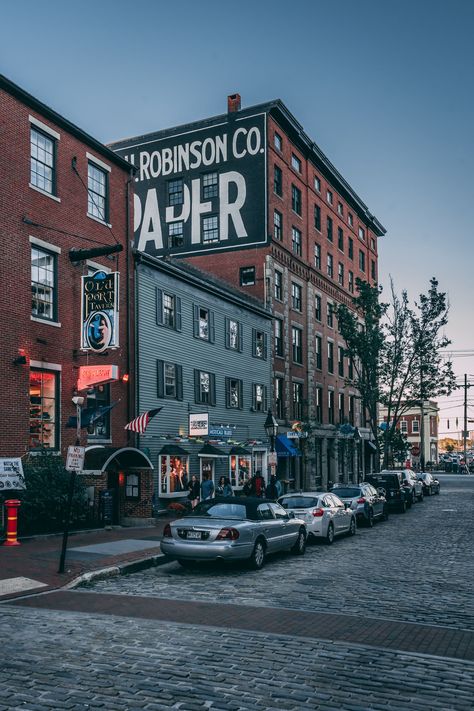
43 161
97 192
43 284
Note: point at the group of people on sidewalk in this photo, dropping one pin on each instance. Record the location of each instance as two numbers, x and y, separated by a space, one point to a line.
253 486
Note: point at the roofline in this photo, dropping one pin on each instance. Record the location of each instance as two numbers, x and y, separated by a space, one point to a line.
14 90
206 284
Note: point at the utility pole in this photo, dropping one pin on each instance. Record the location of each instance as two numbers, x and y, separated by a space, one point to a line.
464 434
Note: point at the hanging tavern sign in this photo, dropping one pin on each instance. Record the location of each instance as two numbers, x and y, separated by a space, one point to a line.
201 190
100 311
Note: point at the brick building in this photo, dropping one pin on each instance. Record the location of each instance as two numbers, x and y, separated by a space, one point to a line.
61 190
420 428
249 196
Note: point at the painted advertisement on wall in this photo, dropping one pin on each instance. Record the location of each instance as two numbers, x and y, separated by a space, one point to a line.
100 311
200 190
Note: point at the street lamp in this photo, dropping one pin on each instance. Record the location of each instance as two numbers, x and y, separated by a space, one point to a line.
271 428
358 440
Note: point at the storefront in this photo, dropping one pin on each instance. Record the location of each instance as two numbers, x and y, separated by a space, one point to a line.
289 462
173 467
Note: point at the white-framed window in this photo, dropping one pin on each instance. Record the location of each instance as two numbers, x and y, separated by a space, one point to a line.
210 185
44 301
168 310
176 234
169 380
296 241
259 397
278 141
404 426
296 300
362 234
175 192
277 225
234 393
97 192
297 344
295 163
415 426
329 197
340 208
210 229
317 184
233 334
204 387
278 285
203 323
132 486
43 160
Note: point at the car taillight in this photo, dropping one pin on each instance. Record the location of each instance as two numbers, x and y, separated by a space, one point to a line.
167 531
318 512
361 500
227 534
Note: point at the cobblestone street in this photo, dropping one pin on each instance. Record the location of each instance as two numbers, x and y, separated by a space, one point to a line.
417 566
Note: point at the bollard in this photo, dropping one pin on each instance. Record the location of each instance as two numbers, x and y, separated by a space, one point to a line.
12 506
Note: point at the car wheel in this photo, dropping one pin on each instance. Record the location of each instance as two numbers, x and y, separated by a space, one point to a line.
299 547
420 497
330 535
403 507
257 559
370 518
186 563
352 528
437 491
385 513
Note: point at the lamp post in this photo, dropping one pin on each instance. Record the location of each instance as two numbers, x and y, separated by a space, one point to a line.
78 402
358 440
271 428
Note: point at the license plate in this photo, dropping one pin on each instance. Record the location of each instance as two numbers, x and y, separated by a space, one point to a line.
194 534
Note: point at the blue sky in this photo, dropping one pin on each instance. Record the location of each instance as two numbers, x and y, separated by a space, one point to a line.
385 89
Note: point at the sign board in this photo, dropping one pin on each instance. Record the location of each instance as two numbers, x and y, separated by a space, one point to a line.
296 435
415 450
272 459
220 431
200 190
75 459
11 474
198 424
90 375
100 311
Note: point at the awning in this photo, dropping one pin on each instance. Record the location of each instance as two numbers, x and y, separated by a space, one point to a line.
99 459
240 452
285 447
173 450
208 450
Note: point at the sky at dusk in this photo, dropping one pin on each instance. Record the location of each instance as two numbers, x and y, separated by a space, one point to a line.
385 89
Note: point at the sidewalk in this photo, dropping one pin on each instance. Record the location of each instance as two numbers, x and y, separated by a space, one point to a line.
33 566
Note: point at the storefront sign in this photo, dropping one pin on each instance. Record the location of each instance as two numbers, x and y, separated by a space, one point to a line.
75 459
201 190
11 474
90 375
220 431
100 311
198 424
296 435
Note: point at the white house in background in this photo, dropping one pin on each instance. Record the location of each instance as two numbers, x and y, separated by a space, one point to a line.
410 425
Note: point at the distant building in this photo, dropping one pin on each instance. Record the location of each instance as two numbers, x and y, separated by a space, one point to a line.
410 424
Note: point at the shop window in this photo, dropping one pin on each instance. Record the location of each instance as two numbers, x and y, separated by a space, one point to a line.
132 486
240 469
44 410
173 473
43 284
259 462
97 398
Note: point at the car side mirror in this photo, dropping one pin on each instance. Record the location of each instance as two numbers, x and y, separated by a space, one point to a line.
347 505
291 514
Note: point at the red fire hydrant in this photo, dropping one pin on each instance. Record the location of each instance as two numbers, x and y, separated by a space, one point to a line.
12 506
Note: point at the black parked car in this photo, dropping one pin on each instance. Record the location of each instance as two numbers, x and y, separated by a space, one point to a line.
397 496
430 484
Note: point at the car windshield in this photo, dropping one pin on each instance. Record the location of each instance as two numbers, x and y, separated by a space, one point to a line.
298 502
346 492
220 510
385 480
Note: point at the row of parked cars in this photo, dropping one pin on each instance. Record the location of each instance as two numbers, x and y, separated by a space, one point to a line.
249 528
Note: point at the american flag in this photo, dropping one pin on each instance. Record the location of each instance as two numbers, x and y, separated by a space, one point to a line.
140 423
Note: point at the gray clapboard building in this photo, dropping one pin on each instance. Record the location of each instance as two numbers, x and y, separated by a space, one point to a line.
203 354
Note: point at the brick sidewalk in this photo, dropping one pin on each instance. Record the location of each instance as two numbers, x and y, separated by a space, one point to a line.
38 558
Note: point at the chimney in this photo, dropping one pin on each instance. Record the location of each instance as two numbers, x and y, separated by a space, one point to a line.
233 103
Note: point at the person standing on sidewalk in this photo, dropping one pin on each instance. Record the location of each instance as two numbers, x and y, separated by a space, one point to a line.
207 487
194 489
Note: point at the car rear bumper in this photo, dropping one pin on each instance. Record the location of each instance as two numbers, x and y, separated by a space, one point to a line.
210 551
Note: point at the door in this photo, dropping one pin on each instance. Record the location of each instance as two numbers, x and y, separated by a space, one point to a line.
114 487
270 527
342 517
287 528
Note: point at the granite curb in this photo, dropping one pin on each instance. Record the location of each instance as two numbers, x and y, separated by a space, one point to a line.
120 569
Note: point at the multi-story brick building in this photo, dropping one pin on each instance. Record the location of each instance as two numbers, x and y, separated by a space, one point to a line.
420 427
249 196
60 191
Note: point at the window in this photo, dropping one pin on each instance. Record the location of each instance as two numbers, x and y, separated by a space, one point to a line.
44 410
350 219
43 284
233 389
415 426
176 234
372 243
340 361
340 274
373 273
351 281
331 407
132 486
259 397
329 197
318 344
204 388
317 256
277 181
278 285
210 186
169 378
175 192
317 184
350 247
203 323
296 296
97 192
296 241
317 307
296 199
173 473
319 404
278 141
297 347
340 239
43 161
330 357
295 163
278 333
361 261
340 407
329 229
247 276
210 229
259 344
330 267
279 399
98 400
340 208
350 368
317 218
330 314
233 334
277 225
351 410
361 234
168 310
403 426
297 401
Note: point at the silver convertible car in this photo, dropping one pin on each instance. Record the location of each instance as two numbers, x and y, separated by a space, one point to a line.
231 528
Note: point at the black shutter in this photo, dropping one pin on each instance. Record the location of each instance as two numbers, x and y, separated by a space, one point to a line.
253 404
196 320
265 346
264 398
212 385
254 342
177 302
159 307
211 326
227 392
227 332
241 340
241 395
197 389
179 382
160 379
